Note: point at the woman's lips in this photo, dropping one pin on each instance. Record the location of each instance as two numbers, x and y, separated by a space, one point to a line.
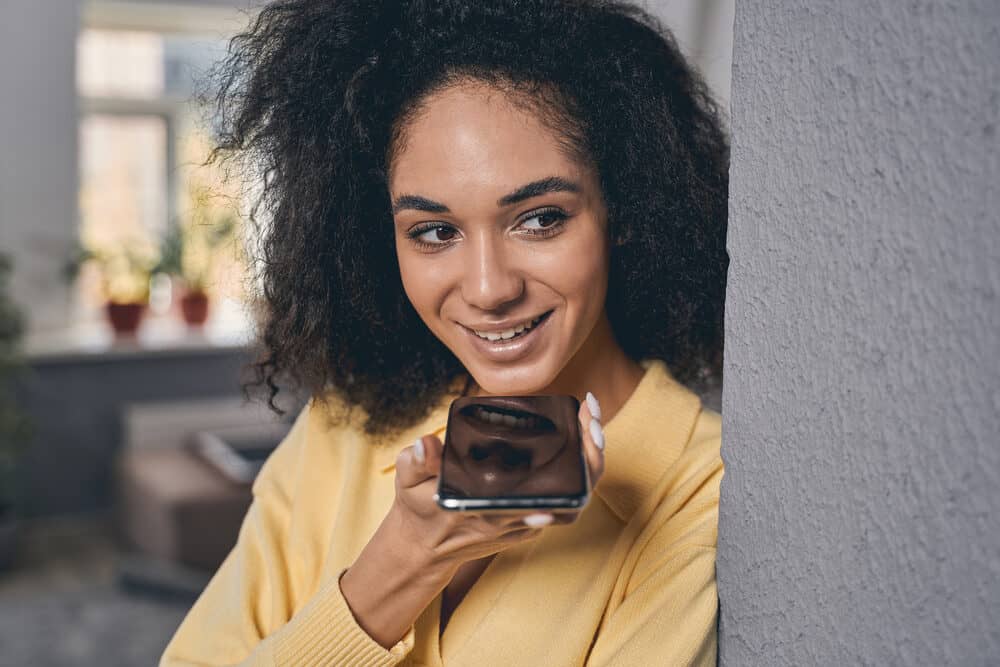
492 332
511 349
534 405
519 416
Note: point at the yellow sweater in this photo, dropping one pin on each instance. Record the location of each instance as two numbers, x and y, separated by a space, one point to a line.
631 582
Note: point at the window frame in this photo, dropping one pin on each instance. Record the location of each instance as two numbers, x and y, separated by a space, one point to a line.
166 109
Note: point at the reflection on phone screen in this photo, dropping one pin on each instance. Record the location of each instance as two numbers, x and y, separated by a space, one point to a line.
501 446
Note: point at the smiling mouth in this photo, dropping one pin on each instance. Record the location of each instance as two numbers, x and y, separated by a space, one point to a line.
513 333
515 419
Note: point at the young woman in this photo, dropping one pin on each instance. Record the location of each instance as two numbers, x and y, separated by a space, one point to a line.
499 197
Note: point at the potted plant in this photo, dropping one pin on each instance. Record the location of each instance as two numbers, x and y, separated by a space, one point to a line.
14 429
124 271
187 254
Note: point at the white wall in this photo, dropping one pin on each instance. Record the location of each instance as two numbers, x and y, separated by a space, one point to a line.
704 31
38 137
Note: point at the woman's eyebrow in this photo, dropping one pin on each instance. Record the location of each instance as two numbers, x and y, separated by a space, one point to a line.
533 189
418 203
539 187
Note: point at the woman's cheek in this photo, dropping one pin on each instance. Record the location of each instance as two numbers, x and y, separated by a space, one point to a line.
583 270
426 284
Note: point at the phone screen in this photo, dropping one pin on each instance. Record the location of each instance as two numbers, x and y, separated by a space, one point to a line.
513 451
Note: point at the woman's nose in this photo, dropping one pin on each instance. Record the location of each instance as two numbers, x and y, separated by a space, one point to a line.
490 280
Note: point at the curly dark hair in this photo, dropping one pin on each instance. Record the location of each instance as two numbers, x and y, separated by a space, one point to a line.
313 99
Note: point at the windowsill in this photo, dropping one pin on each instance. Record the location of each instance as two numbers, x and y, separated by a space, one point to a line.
158 336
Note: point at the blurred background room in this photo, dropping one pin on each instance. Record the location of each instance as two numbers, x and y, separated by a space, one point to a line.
127 449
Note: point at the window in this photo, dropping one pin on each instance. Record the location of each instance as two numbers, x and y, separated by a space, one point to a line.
142 139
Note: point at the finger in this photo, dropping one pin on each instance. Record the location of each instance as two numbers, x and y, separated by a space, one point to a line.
508 521
540 519
521 519
433 454
500 519
593 439
477 548
418 462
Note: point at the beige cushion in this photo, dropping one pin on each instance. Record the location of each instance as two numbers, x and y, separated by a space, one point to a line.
173 505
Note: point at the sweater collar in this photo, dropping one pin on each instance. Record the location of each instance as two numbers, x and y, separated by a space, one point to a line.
643 439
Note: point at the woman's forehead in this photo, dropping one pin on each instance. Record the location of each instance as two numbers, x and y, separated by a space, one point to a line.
475 139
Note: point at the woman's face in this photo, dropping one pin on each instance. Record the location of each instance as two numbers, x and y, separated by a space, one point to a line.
495 228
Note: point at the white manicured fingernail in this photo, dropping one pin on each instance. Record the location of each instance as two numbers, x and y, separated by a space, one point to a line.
597 433
595 407
538 520
418 450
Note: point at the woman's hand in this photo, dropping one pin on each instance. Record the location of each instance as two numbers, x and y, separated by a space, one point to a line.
419 547
447 539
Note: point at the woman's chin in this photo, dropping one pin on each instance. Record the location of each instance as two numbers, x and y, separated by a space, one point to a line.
524 381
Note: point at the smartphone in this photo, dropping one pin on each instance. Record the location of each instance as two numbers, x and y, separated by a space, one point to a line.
513 452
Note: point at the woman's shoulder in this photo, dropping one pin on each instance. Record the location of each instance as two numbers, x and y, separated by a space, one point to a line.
323 419
689 506
674 411
705 443
700 466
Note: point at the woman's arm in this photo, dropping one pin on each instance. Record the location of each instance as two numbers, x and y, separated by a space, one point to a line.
241 618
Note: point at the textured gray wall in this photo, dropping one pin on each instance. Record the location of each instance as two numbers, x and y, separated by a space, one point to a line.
861 503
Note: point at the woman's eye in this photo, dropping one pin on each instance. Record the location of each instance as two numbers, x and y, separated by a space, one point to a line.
543 222
432 235
438 235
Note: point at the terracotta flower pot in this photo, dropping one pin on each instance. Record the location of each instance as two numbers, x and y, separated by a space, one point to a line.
194 307
125 318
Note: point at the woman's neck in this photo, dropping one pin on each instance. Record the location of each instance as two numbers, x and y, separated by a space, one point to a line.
600 366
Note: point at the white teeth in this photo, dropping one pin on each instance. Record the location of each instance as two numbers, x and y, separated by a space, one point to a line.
508 334
500 418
